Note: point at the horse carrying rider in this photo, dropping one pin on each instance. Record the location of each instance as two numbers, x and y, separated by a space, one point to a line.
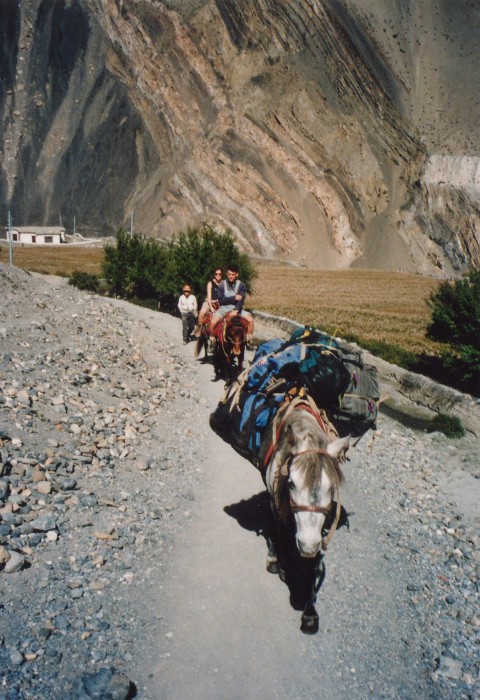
211 302
231 297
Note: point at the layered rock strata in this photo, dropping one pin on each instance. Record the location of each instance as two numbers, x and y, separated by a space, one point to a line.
308 128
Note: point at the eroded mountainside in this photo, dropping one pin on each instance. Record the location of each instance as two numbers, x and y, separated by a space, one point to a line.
333 132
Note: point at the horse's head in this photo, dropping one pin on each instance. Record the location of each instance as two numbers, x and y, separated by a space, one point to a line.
235 334
308 476
229 347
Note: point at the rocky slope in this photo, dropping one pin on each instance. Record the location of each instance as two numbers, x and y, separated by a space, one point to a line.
81 390
331 132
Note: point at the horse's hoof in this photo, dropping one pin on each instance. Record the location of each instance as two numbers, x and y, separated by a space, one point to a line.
272 567
281 573
309 624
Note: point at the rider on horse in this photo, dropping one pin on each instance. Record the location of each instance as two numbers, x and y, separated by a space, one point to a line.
231 297
211 302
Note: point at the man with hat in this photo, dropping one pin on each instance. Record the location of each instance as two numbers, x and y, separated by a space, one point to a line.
187 305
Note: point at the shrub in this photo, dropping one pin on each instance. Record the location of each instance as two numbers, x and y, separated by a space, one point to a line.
456 320
451 426
143 269
85 281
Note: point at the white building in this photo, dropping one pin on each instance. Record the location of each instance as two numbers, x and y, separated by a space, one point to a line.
38 235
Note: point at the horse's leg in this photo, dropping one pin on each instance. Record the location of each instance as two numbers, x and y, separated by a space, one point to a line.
310 616
217 360
272 556
204 337
240 359
232 370
282 540
271 536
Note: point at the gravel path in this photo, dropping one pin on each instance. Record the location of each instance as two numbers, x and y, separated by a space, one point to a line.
128 545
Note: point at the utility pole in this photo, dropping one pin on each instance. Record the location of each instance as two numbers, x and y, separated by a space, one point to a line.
10 245
131 224
74 225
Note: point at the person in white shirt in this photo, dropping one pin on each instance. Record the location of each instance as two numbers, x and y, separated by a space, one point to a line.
187 305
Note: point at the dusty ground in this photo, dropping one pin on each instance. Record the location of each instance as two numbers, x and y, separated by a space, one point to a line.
223 627
399 605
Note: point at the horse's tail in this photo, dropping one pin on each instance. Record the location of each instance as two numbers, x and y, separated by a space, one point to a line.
198 346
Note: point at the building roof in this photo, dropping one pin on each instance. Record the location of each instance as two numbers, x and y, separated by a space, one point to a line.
40 230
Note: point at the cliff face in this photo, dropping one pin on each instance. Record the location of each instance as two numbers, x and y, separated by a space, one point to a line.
315 130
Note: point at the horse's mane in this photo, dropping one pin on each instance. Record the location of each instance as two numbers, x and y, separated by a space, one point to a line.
237 323
311 468
311 465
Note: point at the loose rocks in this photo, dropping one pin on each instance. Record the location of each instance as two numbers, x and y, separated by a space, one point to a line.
97 457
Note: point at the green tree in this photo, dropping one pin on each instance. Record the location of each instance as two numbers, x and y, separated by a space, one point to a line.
118 260
134 266
192 257
140 268
456 320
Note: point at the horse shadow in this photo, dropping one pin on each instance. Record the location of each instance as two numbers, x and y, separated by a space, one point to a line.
255 515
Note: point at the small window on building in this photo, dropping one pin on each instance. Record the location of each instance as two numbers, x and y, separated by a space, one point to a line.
48 239
34 239
14 236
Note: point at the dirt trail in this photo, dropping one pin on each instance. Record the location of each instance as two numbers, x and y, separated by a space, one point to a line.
187 610
225 626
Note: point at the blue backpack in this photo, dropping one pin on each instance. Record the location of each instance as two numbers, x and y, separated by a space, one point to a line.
278 366
334 376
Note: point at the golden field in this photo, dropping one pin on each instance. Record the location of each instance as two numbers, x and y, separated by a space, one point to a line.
60 260
371 305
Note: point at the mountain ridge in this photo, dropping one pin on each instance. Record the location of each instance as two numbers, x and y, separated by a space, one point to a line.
311 129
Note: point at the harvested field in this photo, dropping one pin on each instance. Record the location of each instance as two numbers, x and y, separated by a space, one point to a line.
61 260
372 305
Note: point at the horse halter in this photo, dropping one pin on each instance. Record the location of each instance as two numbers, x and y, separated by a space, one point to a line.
297 507
305 405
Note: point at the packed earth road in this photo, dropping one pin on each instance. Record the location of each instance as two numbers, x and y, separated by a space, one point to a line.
132 562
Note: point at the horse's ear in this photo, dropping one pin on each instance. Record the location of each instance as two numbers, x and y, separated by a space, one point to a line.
338 446
290 436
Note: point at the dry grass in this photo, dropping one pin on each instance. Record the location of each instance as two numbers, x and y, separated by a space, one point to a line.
372 305
60 260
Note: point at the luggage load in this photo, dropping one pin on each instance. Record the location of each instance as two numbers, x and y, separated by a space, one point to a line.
358 405
311 362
